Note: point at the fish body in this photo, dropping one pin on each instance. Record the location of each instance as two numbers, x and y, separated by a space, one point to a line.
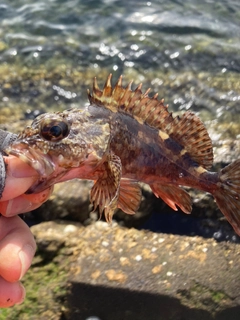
123 137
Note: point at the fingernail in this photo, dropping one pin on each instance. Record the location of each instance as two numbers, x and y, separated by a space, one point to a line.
9 208
23 294
17 206
26 255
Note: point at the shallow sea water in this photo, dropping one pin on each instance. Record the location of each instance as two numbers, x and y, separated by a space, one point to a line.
188 51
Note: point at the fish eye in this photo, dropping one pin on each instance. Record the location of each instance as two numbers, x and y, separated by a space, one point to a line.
54 129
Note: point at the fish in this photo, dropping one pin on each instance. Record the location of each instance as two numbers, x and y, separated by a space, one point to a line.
122 137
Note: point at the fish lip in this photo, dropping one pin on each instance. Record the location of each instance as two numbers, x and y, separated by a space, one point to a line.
40 162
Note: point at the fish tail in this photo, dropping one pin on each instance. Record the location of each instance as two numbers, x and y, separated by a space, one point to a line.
227 194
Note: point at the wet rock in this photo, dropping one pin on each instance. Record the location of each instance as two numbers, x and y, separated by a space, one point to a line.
225 152
70 200
118 273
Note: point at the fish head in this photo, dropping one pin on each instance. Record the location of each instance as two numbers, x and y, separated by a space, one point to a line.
53 144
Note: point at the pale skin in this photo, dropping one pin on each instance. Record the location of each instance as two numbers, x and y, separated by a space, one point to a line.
17 244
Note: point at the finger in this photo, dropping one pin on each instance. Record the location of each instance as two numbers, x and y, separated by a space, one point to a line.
11 293
20 177
17 248
18 168
15 187
24 203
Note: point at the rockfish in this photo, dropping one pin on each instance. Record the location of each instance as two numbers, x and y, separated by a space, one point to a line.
123 137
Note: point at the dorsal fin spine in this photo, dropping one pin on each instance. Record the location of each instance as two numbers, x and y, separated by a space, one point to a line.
187 130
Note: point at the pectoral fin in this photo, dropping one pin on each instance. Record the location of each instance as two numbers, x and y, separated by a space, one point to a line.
105 192
173 196
130 196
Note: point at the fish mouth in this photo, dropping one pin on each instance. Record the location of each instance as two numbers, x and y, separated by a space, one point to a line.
40 162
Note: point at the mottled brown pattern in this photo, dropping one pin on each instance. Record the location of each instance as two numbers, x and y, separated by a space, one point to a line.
121 138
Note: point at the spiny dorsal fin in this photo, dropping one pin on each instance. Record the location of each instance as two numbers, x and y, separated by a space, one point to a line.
187 130
190 132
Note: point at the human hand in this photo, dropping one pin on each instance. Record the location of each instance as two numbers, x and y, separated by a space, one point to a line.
17 245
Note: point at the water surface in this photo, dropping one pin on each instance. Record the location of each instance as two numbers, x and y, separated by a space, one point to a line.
188 51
